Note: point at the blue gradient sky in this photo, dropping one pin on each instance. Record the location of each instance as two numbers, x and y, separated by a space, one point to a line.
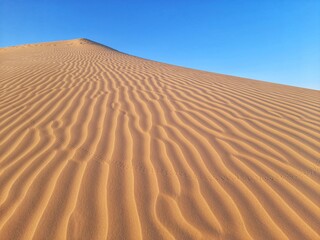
276 41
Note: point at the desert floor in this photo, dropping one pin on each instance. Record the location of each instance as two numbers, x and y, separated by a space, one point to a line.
98 144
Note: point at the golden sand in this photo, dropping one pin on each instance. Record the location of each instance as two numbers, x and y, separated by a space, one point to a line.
97 144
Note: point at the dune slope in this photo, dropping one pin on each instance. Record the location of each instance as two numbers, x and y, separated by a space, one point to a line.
97 144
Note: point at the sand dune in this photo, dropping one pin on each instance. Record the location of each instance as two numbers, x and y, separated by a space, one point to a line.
97 144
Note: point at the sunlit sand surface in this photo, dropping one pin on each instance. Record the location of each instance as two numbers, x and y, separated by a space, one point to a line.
97 144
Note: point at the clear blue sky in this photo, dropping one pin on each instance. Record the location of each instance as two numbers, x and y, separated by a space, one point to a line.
276 41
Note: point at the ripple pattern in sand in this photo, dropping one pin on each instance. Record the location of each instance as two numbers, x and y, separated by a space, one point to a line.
97 144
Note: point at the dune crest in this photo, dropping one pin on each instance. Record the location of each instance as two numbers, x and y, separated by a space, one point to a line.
97 144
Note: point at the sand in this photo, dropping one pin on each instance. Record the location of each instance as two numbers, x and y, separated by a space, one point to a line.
98 144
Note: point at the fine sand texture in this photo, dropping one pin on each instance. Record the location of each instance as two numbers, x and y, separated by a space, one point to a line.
97 144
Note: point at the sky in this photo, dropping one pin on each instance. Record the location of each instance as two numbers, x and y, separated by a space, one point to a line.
275 40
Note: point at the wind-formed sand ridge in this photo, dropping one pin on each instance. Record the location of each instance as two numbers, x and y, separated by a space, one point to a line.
98 144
